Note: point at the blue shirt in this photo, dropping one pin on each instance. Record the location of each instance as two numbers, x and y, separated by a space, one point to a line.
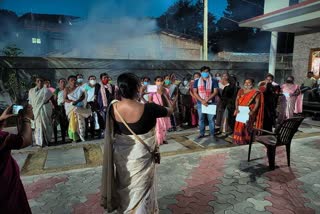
213 86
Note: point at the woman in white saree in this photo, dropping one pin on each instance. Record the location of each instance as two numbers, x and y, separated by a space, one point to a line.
40 98
75 106
130 151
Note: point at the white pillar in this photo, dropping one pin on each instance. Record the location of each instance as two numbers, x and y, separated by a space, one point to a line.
273 53
205 29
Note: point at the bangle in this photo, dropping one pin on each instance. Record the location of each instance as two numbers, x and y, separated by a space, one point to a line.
26 120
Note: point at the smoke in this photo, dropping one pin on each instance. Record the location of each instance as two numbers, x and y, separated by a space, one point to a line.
108 32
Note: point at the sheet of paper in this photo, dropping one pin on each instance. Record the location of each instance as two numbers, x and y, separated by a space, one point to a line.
152 88
210 109
243 115
286 94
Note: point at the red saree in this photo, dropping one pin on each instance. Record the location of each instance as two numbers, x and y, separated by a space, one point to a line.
242 131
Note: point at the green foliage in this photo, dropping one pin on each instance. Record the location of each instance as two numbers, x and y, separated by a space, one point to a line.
186 17
12 51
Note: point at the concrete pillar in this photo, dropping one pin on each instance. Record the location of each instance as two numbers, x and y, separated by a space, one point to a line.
273 53
205 29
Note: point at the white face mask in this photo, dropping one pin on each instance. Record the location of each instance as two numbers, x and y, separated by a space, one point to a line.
218 78
92 82
185 82
80 80
247 86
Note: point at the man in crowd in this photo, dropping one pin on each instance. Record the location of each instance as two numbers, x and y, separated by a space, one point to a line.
185 100
308 85
205 89
92 121
59 115
105 93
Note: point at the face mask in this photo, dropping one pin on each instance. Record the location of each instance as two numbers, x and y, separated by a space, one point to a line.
289 81
105 81
218 78
145 83
92 82
167 82
205 74
80 80
247 86
110 81
196 78
185 82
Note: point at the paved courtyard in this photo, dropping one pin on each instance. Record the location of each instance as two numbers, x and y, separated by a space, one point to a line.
214 181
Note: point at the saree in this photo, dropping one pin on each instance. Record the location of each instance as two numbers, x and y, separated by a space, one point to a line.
42 111
163 123
242 131
228 99
77 115
221 110
290 104
128 172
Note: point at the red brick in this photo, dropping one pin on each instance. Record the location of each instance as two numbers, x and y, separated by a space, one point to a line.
34 190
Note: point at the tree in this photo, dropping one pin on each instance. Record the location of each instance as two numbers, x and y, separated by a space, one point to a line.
12 79
234 38
12 51
186 17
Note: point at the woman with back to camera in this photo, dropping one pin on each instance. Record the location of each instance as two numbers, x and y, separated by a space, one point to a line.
131 151
13 198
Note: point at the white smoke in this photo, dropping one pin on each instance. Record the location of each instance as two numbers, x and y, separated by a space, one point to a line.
108 32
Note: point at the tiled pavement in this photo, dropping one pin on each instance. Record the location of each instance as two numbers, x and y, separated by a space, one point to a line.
219 181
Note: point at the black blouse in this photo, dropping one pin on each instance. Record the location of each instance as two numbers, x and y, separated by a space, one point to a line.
146 122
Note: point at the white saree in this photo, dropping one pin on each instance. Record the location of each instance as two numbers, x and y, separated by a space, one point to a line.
42 111
128 179
77 115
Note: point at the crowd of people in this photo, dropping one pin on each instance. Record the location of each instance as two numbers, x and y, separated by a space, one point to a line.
79 106
134 117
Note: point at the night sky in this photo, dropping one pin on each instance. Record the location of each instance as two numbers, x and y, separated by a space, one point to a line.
85 8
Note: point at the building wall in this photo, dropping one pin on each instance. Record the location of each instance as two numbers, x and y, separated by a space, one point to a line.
301 53
155 46
272 5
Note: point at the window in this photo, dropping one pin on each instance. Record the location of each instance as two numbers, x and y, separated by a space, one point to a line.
36 41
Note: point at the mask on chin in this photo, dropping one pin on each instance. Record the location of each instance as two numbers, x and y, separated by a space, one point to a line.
289 81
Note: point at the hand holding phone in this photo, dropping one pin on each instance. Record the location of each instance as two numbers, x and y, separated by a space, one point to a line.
16 109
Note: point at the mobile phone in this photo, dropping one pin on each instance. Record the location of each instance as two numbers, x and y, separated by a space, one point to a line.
152 88
16 109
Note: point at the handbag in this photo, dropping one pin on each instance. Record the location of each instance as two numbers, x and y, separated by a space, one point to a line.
155 153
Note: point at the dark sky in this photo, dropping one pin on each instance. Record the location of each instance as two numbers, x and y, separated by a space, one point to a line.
83 8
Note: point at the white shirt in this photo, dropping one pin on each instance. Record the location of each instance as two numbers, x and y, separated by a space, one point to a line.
90 92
